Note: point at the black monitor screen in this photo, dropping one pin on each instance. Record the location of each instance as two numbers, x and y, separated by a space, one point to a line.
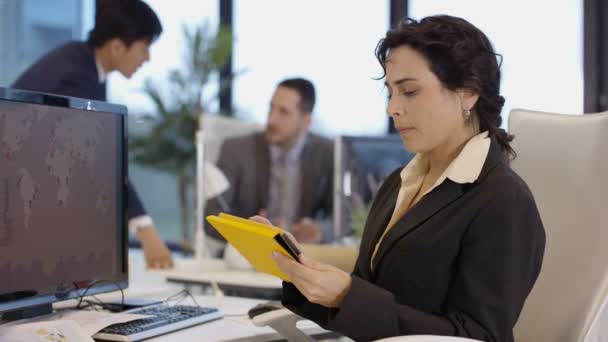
61 198
362 163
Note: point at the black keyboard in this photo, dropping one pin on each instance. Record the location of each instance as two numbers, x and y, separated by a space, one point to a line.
165 319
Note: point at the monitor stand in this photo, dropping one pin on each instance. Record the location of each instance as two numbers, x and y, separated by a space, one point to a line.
29 312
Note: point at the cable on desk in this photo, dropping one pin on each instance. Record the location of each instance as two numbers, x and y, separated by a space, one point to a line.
101 303
183 294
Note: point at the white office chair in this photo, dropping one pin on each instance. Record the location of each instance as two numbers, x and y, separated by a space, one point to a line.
564 161
219 128
210 182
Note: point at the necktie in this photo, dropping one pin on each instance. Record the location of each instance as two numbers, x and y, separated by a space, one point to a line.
286 192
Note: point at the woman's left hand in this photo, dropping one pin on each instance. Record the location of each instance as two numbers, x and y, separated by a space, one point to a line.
320 283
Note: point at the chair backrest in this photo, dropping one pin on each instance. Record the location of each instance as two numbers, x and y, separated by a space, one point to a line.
218 128
342 257
564 161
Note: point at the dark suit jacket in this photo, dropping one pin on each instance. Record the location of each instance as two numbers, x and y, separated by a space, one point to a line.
246 163
70 70
461 262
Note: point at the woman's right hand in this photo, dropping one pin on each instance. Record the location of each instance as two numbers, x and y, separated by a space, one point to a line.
320 283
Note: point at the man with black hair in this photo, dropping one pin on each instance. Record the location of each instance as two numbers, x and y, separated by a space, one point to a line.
120 41
284 173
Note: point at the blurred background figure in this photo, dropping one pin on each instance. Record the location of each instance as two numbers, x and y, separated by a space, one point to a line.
284 173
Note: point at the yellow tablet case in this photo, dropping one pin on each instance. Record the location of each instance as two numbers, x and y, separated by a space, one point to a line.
255 241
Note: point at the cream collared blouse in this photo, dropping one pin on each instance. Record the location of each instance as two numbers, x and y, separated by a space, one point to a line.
465 168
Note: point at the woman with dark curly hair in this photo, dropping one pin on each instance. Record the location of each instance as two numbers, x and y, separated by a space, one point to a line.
453 242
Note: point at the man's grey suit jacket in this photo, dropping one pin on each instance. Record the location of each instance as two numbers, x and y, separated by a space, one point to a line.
246 163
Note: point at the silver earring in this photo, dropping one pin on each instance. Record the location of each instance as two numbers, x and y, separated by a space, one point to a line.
466 113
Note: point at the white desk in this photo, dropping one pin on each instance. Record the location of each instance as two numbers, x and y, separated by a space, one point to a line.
212 273
235 326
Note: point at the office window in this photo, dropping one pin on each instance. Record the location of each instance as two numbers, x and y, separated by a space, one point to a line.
330 42
30 28
541 42
165 54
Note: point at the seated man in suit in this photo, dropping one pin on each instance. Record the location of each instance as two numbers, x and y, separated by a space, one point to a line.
284 173
119 41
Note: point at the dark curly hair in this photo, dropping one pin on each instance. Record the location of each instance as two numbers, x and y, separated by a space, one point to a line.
462 57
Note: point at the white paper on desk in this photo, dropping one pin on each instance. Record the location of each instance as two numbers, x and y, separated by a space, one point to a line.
93 321
51 331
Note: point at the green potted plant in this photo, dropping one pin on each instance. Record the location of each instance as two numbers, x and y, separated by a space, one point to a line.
169 142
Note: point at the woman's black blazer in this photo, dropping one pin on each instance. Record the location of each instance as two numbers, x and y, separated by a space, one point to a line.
461 262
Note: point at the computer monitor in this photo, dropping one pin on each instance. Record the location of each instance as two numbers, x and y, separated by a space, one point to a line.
361 164
62 200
